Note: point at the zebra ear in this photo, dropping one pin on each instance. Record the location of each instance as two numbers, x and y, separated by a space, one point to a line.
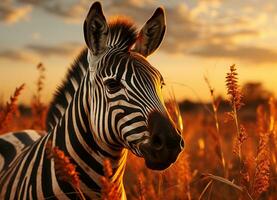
152 33
96 29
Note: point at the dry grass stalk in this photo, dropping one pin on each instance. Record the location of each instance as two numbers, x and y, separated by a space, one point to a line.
181 168
205 189
10 108
183 175
65 170
38 108
41 78
262 173
272 131
235 98
109 189
240 139
222 180
215 104
141 189
173 109
273 115
227 182
247 172
176 180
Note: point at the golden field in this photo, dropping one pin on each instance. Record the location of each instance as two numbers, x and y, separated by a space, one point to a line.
230 145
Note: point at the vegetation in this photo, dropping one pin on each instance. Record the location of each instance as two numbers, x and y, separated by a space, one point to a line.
230 152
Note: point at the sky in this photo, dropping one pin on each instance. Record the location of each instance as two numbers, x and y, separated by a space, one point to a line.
203 38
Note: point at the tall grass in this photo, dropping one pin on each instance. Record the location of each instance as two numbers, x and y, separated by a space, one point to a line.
215 106
232 160
65 170
109 189
252 179
39 109
235 99
10 109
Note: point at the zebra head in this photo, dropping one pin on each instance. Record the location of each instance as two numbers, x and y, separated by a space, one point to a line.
127 107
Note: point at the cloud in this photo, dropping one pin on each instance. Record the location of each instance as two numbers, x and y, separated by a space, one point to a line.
10 14
63 49
36 36
32 53
192 27
247 53
18 55
189 33
71 12
230 37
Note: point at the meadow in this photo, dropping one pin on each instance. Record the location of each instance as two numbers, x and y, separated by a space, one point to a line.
230 147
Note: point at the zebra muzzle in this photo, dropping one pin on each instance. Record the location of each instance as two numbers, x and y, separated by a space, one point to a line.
164 144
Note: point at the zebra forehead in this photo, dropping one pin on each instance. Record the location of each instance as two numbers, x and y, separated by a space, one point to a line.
126 64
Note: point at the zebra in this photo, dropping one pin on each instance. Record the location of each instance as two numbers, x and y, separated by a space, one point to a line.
110 102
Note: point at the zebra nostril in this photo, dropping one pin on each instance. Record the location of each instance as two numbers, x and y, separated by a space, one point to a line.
157 142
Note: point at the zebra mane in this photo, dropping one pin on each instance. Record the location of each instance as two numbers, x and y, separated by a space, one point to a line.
66 90
123 34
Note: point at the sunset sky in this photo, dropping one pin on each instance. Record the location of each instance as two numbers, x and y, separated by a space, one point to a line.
203 37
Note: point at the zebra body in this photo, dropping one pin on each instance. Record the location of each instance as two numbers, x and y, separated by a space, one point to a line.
78 143
12 144
110 101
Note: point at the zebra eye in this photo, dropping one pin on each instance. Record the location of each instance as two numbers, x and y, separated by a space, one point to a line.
113 85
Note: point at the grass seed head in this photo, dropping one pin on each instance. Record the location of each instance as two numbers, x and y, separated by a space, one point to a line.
109 189
262 173
65 170
239 140
233 90
10 108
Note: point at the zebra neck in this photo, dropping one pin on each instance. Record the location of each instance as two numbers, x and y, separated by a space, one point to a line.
74 136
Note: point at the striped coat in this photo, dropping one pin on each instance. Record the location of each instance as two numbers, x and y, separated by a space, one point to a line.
110 102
